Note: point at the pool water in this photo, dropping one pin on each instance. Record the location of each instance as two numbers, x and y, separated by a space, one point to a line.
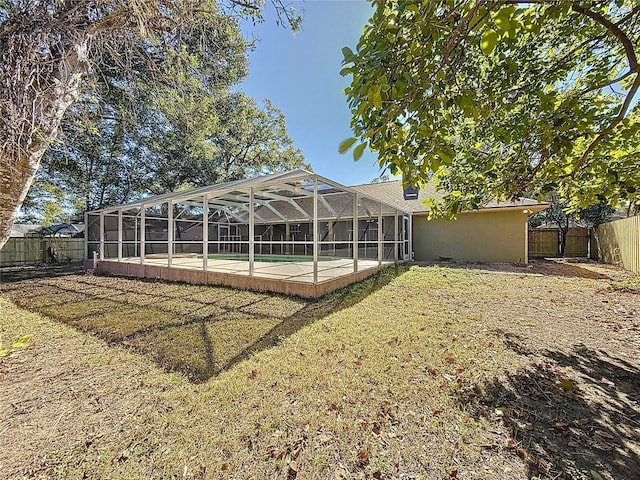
267 258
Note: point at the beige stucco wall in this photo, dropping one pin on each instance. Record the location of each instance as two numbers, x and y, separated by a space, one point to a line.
485 236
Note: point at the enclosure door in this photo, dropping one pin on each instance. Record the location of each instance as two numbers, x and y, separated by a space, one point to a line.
223 236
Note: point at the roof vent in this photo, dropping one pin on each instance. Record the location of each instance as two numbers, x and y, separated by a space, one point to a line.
411 193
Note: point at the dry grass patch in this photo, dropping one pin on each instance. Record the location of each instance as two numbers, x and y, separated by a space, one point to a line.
628 285
427 372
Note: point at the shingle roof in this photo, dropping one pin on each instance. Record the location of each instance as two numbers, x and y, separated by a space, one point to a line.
63 229
21 230
393 194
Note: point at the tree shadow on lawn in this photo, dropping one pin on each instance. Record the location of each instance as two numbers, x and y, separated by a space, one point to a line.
570 415
45 270
199 331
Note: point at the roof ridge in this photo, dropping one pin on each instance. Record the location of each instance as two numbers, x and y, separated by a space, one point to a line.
375 183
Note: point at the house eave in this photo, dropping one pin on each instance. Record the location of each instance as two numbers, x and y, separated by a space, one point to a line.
527 209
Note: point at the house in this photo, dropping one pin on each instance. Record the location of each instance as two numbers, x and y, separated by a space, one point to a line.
495 233
293 232
62 230
21 230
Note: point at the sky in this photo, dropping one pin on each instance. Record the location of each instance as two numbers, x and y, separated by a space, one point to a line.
300 73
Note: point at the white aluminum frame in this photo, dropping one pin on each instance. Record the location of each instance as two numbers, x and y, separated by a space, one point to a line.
282 199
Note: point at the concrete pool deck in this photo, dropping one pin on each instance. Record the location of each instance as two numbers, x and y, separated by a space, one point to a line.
291 278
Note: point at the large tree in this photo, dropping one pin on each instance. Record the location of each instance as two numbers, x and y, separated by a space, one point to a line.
121 151
492 99
251 140
48 48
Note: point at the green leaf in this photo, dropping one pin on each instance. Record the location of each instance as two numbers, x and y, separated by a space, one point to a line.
345 145
373 94
447 154
567 385
488 42
358 151
503 24
376 99
406 112
22 341
348 55
413 8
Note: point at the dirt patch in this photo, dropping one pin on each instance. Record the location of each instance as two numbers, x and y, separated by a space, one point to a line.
573 409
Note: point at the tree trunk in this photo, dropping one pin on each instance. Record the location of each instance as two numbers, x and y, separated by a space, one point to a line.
16 178
41 120
564 230
563 241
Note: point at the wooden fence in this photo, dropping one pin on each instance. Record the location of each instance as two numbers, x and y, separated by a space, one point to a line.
30 251
545 242
619 243
579 243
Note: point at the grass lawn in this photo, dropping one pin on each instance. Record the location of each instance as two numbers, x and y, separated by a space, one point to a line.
431 372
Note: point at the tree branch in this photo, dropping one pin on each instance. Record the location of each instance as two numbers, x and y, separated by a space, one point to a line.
608 83
633 11
633 68
630 53
462 25
247 5
614 123
615 31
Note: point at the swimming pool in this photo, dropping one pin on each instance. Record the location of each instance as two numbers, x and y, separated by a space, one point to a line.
267 258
